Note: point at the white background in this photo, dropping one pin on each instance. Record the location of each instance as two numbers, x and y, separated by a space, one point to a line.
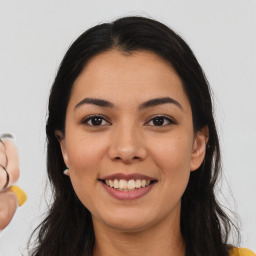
34 36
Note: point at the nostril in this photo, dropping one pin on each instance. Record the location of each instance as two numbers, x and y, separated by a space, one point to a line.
127 159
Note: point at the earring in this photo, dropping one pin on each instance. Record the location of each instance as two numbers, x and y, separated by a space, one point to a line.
66 172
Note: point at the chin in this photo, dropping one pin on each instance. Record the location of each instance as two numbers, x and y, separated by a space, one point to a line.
128 226
128 220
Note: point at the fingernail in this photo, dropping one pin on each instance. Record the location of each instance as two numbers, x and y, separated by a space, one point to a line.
7 136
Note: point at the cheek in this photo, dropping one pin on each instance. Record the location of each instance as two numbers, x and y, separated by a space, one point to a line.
84 153
173 154
172 157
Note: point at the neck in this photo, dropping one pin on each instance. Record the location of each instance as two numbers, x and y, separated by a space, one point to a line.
160 239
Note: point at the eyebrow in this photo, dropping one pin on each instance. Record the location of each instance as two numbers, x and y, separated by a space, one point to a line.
144 105
159 101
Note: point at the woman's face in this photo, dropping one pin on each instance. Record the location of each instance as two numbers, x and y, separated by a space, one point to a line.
129 140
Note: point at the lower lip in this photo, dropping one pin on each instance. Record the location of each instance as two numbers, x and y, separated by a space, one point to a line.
127 195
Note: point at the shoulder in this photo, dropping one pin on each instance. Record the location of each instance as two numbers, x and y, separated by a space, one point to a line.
241 252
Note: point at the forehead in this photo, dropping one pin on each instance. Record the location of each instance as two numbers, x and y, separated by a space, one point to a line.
119 76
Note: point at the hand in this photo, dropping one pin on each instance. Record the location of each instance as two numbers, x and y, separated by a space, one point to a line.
9 174
8 206
9 163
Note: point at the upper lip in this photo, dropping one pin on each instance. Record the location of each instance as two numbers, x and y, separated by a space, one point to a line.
122 176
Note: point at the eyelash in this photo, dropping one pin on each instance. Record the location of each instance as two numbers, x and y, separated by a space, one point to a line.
89 118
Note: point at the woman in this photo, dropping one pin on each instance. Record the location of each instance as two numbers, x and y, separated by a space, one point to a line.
131 123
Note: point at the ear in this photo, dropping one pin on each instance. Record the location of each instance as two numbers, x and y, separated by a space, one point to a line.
61 138
199 148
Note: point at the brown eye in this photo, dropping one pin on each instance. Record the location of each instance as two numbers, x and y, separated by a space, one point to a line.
160 121
95 121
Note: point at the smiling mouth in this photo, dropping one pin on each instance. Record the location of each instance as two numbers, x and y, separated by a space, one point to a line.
128 185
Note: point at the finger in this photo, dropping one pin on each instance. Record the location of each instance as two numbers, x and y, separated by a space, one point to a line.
2 146
8 206
3 177
3 157
12 160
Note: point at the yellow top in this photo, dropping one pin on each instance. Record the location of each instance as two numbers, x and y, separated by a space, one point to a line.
241 252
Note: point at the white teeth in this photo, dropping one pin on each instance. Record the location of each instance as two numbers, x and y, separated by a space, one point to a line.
116 185
129 185
123 184
138 183
111 183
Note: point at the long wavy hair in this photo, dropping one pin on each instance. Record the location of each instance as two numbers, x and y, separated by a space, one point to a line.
67 229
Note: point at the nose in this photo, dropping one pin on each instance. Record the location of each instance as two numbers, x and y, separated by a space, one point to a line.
127 144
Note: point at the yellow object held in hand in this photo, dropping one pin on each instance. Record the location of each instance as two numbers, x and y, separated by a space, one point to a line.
20 194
